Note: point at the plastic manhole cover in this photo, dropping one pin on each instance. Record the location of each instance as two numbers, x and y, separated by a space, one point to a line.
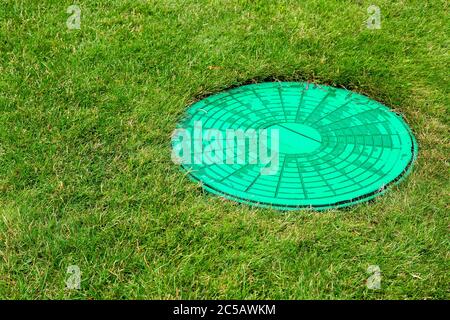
293 145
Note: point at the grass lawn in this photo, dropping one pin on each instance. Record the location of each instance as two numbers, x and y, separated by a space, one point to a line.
85 172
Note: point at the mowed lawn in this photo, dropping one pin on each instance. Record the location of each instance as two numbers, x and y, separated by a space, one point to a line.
86 177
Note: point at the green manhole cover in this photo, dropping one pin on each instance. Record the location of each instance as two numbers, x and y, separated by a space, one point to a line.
293 145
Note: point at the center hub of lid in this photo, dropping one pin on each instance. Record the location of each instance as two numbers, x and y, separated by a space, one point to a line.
296 138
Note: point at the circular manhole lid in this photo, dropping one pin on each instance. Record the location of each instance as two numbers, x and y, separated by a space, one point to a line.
292 145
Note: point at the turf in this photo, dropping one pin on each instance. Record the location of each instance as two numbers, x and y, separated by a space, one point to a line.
86 177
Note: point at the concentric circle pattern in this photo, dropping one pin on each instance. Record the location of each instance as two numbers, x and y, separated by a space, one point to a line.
336 147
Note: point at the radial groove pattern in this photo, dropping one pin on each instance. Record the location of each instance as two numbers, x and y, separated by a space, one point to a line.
336 148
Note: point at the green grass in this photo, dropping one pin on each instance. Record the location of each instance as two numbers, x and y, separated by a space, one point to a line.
85 172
